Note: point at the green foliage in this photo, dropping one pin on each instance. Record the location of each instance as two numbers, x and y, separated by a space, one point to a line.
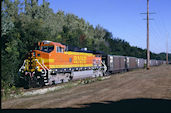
99 78
25 23
8 90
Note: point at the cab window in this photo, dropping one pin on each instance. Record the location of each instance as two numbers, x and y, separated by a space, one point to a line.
47 49
59 49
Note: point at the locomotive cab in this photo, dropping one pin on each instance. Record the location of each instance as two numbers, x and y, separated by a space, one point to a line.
39 58
48 47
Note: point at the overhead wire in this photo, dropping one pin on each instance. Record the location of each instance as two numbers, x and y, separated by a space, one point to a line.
162 27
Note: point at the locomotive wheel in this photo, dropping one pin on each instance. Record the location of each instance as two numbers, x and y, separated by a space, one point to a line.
41 82
70 78
67 77
33 82
27 83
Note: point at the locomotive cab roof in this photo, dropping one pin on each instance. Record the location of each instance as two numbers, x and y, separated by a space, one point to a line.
47 42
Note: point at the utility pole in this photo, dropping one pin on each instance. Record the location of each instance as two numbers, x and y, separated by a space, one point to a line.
148 52
167 50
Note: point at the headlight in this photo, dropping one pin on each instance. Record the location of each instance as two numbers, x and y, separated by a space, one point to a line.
23 67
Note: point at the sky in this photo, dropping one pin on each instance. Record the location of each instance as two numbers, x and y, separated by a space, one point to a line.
123 19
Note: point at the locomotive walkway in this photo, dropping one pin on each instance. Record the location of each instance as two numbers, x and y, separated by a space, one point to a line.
137 84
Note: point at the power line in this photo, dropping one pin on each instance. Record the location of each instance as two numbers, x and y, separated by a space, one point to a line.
167 35
158 32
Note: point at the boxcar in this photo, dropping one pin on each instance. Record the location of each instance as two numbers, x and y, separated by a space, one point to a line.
131 63
140 62
115 63
153 63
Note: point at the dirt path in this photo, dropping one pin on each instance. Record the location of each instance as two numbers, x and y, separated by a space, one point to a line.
154 84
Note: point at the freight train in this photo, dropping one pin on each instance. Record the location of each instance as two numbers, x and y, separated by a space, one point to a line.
53 63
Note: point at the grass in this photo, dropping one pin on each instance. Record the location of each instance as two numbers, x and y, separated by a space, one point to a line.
90 80
7 92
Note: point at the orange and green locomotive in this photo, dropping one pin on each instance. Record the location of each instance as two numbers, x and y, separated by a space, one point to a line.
52 64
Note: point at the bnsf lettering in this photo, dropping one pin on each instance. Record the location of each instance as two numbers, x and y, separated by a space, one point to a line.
80 59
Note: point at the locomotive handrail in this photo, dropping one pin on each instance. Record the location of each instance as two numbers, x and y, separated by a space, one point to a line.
44 65
105 67
41 65
22 66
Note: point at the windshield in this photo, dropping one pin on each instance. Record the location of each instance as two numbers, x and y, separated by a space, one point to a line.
47 49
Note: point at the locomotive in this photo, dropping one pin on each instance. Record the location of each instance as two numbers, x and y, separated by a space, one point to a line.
52 63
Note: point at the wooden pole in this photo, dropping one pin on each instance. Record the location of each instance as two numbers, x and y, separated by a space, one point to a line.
148 52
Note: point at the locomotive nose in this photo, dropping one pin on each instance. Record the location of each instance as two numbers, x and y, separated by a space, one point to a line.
30 61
